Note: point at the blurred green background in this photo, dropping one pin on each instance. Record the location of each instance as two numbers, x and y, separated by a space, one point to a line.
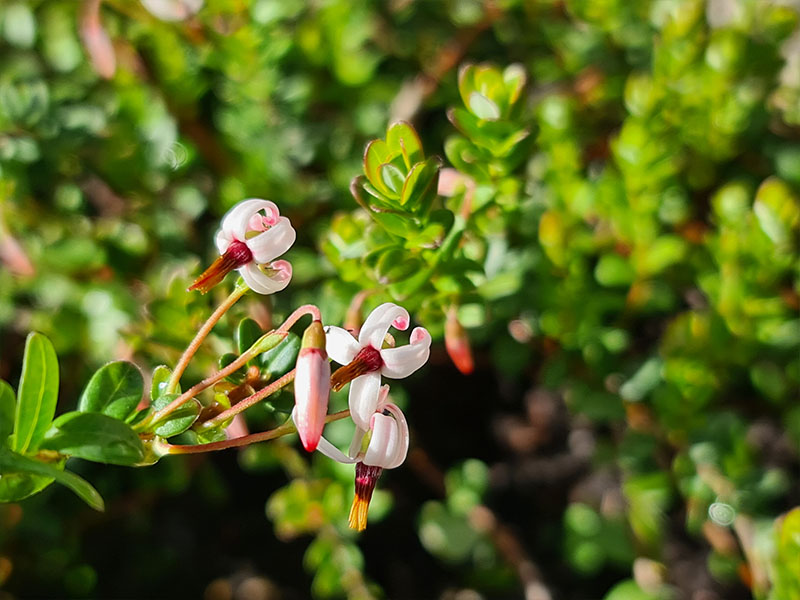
623 256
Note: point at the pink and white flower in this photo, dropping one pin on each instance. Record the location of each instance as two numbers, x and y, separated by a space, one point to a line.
387 449
365 359
252 235
312 387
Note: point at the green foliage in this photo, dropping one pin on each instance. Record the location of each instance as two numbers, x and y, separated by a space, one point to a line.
615 218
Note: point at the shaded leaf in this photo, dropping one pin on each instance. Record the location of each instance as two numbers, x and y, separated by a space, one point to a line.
96 437
12 463
38 394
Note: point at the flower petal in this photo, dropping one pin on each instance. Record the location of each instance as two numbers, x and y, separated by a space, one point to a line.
383 443
378 322
223 239
333 452
237 218
363 398
403 361
261 283
401 448
340 345
273 242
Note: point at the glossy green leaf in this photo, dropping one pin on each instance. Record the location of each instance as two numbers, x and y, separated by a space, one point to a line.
402 138
38 394
247 332
158 387
115 390
94 436
421 185
177 421
282 358
16 464
7 406
392 178
238 375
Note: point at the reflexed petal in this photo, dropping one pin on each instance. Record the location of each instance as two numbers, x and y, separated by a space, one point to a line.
401 448
340 345
261 283
273 242
223 239
363 398
403 361
383 443
378 322
237 218
332 451
259 222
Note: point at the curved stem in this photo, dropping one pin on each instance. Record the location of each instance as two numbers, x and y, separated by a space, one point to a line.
250 400
246 440
306 309
196 389
186 357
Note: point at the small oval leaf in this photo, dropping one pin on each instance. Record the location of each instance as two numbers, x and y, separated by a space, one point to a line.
178 420
247 333
158 387
96 437
38 394
114 390
282 358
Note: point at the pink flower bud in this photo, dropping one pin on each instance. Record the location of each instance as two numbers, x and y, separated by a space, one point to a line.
457 344
312 386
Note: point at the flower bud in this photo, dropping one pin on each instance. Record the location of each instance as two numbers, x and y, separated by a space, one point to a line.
312 386
457 344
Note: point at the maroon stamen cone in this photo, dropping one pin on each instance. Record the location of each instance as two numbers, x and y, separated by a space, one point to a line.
367 360
456 342
366 478
235 256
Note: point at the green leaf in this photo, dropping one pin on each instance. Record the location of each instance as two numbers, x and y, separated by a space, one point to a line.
12 463
239 374
376 154
421 185
247 333
96 437
402 138
114 390
282 358
158 387
614 270
178 420
7 406
482 107
392 178
38 394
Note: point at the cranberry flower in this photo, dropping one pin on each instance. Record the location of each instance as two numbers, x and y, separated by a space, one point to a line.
251 237
365 359
386 449
312 386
